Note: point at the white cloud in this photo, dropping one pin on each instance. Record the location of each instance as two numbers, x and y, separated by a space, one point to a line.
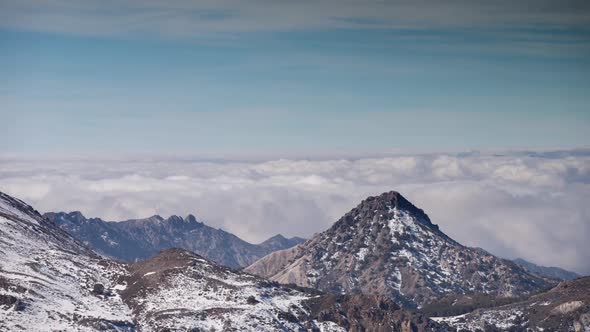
516 204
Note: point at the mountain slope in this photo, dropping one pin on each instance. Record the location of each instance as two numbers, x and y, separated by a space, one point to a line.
388 246
51 282
179 290
563 308
544 271
138 239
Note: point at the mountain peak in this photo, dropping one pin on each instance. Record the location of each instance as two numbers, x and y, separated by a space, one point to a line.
155 217
190 218
175 218
384 207
76 215
389 201
279 242
277 237
387 245
388 196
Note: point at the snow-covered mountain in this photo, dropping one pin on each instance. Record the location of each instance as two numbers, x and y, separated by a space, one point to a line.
138 239
51 282
388 246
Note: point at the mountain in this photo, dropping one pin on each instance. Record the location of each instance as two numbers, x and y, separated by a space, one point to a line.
563 308
549 272
138 239
50 281
388 246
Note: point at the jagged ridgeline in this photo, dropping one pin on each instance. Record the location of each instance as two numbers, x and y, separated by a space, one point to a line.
388 246
138 239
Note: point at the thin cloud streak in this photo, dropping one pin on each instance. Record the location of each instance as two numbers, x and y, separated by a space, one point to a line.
189 18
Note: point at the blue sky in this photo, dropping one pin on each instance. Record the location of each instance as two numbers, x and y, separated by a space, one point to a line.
151 77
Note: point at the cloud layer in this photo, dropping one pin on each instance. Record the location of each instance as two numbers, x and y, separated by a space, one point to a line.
530 205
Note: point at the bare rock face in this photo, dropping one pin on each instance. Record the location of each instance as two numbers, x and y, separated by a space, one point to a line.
563 308
133 240
387 246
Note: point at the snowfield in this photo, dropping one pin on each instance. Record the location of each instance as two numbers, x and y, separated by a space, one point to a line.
45 286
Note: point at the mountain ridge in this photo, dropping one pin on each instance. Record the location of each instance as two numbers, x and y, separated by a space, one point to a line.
137 239
547 271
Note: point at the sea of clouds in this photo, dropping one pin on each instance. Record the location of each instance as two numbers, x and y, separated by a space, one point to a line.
516 204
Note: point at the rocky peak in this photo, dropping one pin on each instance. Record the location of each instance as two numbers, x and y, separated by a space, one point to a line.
191 219
383 208
278 237
76 216
175 219
279 242
155 217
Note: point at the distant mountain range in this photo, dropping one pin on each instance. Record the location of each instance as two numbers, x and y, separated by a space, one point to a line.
549 272
388 246
138 239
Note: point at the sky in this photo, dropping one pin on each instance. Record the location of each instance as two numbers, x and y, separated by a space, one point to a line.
278 117
292 77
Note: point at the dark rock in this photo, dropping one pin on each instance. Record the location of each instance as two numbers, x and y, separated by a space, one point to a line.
98 289
252 300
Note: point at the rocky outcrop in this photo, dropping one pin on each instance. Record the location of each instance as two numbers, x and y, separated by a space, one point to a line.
387 246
